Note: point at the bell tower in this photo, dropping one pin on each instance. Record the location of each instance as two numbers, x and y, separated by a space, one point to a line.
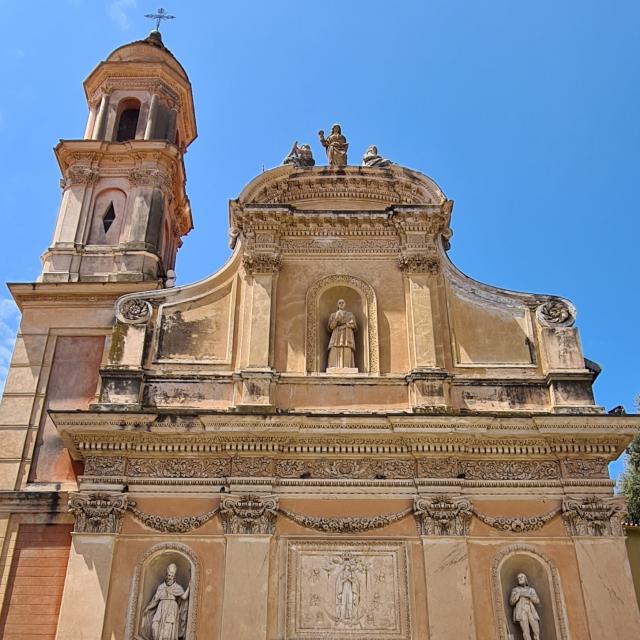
124 207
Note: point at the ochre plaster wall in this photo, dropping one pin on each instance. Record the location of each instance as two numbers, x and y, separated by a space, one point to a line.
72 385
633 549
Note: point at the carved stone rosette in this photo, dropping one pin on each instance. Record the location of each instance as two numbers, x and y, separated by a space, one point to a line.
98 512
443 516
249 514
556 313
133 311
593 516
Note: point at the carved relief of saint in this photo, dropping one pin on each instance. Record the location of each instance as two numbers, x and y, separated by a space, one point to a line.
523 600
347 593
165 617
342 345
336 145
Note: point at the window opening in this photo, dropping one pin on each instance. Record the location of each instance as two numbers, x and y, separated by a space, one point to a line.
127 125
108 217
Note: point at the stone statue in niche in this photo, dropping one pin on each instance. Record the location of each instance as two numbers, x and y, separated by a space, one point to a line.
165 617
336 145
342 344
372 158
523 600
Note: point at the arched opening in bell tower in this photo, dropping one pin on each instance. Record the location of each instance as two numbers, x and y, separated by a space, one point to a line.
129 113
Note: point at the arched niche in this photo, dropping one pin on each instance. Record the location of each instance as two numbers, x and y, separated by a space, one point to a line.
543 576
149 573
107 217
360 298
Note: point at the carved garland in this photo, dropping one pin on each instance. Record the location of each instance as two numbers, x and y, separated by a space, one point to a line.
172 524
345 525
313 296
517 524
551 570
101 513
130 631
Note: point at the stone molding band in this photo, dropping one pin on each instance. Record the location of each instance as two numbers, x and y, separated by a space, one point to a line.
102 512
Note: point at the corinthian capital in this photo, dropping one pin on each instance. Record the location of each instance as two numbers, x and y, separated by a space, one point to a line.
98 512
248 514
443 516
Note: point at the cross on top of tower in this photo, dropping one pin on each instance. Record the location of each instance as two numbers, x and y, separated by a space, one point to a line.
160 15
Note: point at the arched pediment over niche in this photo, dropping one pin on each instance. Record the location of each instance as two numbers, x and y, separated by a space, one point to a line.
150 572
543 576
346 188
361 301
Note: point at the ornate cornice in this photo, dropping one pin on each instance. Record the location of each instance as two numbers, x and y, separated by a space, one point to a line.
394 185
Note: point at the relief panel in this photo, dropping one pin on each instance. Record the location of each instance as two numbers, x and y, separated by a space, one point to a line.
344 590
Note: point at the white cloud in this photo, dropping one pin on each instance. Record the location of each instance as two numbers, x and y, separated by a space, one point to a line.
117 10
9 317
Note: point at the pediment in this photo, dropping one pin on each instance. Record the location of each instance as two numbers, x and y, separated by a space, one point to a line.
347 188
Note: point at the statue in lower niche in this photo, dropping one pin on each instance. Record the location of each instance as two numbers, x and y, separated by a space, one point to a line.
342 344
300 156
523 600
336 145
372 158
165 617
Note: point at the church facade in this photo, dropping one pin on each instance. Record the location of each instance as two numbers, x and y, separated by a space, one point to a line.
337 436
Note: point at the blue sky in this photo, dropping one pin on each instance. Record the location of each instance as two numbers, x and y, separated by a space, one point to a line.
526 114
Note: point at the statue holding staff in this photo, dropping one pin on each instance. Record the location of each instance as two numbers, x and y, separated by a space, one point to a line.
165 617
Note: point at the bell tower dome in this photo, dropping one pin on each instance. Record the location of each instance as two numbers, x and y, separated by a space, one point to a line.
124 207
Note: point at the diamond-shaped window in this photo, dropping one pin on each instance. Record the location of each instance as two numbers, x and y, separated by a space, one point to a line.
108 217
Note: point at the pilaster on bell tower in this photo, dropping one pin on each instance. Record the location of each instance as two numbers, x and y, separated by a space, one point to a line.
124 207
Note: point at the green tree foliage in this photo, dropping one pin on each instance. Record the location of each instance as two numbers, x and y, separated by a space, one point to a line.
631 480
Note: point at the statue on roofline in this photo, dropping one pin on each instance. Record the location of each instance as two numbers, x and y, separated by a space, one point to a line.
372 158
336 145
300 156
